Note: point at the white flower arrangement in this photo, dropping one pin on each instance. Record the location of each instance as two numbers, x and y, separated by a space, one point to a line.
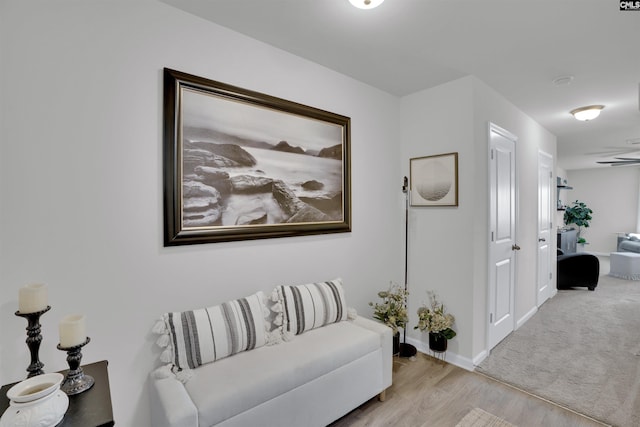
392 310
434 320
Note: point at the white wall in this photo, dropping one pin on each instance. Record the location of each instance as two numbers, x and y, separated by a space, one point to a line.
532 138
81 193
612 194
438 121
81 181
455 117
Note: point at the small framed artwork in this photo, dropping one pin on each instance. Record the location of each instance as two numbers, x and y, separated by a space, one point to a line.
241 165
434 180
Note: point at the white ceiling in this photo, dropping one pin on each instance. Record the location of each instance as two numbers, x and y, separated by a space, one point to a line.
517 47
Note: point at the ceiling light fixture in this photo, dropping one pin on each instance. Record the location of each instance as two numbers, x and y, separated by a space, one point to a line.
562 80
587 113
366 4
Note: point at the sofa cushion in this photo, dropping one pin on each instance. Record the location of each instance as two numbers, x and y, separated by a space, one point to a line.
312 305
231 386
629 246
197 337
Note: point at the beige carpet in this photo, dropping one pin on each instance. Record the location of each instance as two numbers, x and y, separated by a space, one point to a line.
479 418
580 350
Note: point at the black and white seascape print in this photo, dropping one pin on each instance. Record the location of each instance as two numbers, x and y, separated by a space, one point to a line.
248 165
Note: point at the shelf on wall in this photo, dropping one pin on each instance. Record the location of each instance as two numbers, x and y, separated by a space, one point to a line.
561 186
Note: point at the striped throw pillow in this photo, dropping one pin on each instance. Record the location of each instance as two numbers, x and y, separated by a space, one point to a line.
203 336
312 305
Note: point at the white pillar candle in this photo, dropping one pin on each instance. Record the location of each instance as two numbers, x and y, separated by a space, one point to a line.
72 331
32 298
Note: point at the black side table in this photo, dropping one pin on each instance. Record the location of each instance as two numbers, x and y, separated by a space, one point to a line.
91 408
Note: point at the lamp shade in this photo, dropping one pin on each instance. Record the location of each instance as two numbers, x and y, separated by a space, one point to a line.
366 4
587 113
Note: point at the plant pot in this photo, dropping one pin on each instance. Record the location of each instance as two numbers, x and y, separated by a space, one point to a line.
437 342
581 247
396 343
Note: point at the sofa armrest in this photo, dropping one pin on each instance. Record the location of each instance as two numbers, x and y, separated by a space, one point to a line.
171 405
386 343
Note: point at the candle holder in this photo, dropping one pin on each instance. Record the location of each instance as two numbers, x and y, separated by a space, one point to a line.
33 340
76 381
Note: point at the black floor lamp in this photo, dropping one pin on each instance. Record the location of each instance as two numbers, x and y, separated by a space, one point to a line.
406 350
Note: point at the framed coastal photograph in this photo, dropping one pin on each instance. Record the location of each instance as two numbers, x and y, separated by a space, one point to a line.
434 180
239 165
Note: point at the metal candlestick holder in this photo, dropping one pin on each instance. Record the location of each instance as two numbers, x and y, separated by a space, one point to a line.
33 340
76 381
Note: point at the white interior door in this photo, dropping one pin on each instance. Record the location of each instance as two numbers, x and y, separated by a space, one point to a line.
545 226
502 244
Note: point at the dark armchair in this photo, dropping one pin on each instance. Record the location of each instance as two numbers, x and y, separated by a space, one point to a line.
577 269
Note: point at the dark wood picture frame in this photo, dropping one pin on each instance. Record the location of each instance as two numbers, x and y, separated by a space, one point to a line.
434 180
240 165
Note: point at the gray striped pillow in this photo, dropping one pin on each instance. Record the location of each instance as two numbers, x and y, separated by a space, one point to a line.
312 305
203 336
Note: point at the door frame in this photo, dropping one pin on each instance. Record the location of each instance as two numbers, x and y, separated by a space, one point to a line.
540 298
488 321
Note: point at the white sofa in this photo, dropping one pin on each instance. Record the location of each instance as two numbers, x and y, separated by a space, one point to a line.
629 243
311 379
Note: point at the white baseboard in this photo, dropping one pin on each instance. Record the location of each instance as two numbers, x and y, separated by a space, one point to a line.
526 317
449 356
601 253
480 357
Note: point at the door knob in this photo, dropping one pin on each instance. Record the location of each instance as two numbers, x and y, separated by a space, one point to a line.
515 247
542 239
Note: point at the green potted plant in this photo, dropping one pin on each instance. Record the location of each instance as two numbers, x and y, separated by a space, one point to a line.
434 320
392 311
579 214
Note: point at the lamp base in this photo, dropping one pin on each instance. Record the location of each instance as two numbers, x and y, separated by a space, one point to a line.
407 350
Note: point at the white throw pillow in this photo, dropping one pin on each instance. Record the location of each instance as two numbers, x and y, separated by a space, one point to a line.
311 306
196 337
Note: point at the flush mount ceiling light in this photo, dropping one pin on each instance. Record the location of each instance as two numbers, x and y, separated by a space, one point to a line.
562 80
587 113
366 4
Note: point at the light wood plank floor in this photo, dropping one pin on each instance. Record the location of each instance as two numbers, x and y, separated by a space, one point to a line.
429 392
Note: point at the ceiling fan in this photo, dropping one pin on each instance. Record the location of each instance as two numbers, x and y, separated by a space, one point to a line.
621 161
617 151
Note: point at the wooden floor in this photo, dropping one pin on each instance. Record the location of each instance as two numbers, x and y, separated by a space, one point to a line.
429 392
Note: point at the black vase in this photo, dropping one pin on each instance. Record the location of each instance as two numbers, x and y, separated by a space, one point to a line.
396 343
437 342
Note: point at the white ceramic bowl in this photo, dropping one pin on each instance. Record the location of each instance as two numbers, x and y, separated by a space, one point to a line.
35 387
36 402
